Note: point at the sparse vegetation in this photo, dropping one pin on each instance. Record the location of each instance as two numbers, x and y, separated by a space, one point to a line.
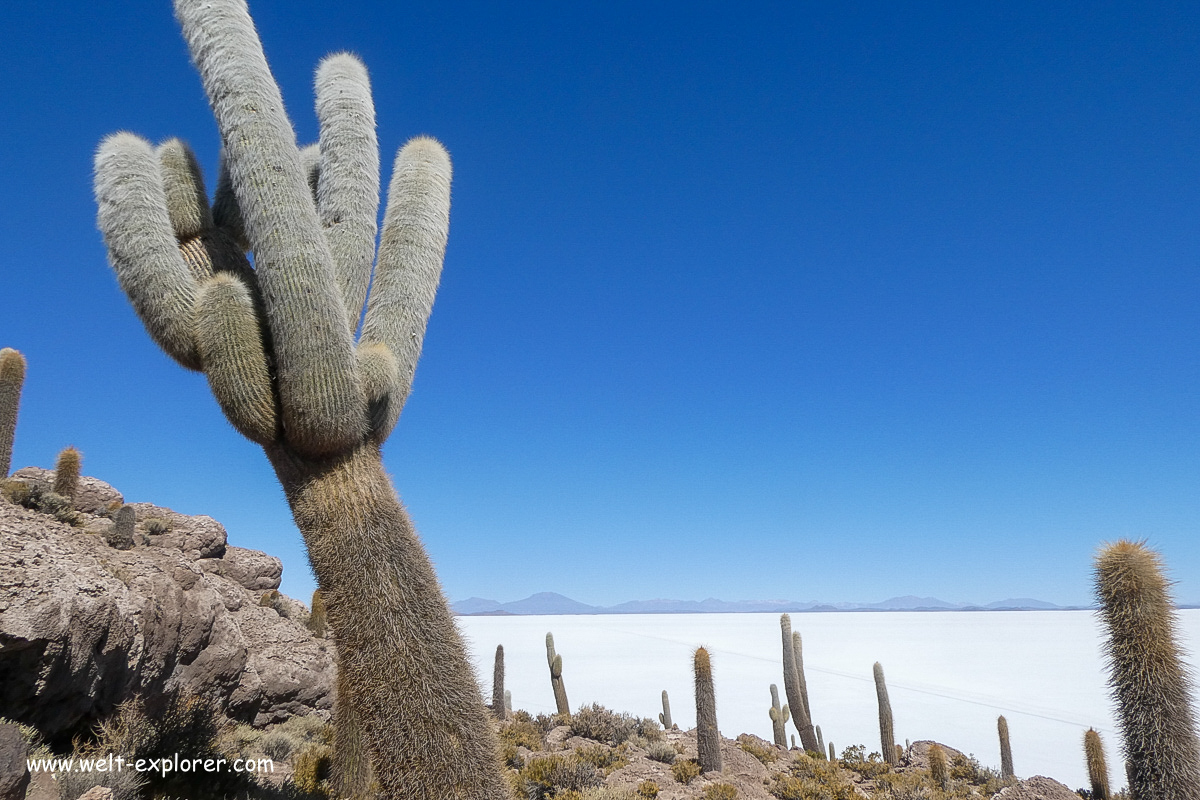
757 748
720 791
684 770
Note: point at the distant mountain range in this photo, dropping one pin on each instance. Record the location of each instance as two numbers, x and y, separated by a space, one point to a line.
549 603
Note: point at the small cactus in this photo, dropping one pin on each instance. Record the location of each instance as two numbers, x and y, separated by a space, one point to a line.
1147 674
794 688
665 716
832 752
498 707
820 741
1006 765
121 534
66 472
1097 767
887 736
12 378
507 702
937 766
708 739
556 681
779 716
318 620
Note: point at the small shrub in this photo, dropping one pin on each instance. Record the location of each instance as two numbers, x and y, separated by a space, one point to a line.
662 751
156 526
126 784
597 723
720 791
685 770
757 748
869 767
647 789
813 779
278 745
312 770
522 731
15 492
542 778
605 759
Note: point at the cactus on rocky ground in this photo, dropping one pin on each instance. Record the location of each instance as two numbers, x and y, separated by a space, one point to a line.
1097 766
665 716
887 736
779 716
318 622
1149 680
66 472
1006 764
507 702
498 707
708 739
820 740
937 766
832 752
121 534
793 741
792 687
556 681
277 344
12 378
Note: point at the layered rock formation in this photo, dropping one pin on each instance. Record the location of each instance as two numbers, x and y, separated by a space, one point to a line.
84 626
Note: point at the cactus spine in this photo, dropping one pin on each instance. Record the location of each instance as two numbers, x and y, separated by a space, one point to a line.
1006 765
66 472
1097 767
1147 675
12 378
937 766
665 716
887 736
708 739
277 345
498 707
779 716
556 681
791 685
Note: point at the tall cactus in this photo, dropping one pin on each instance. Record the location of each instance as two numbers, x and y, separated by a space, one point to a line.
798 655
779 717
318 620
791 685
937 766
1006 765
277 345
665 716
498 707
887 736
708 739
820 741
556 680
66 472
1147 674
1097 766
12 378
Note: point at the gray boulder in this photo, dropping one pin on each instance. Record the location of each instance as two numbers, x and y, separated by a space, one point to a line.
14 772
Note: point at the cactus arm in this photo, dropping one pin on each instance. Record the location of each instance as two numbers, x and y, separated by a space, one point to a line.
227 215
230 341
348 176
412 245
183 189
142 247
321 401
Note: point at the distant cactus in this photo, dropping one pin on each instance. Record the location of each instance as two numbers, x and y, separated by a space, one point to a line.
498 707
1006 764
665 716
121 534
318 621
832 752
708 739
556 680
820 741
792 686
793 741
507 702
66 472
1097 767
887 736
937 766
12 378
270 598
779 716
1148 677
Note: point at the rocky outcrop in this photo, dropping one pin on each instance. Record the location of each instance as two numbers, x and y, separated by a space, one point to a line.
14 773
1037 788
84 626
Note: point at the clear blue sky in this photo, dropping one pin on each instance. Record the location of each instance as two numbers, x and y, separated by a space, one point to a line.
833 302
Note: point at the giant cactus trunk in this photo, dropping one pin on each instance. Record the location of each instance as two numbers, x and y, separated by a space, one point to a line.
708 738
1147 674
498 707
887 734
276 342
12 378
